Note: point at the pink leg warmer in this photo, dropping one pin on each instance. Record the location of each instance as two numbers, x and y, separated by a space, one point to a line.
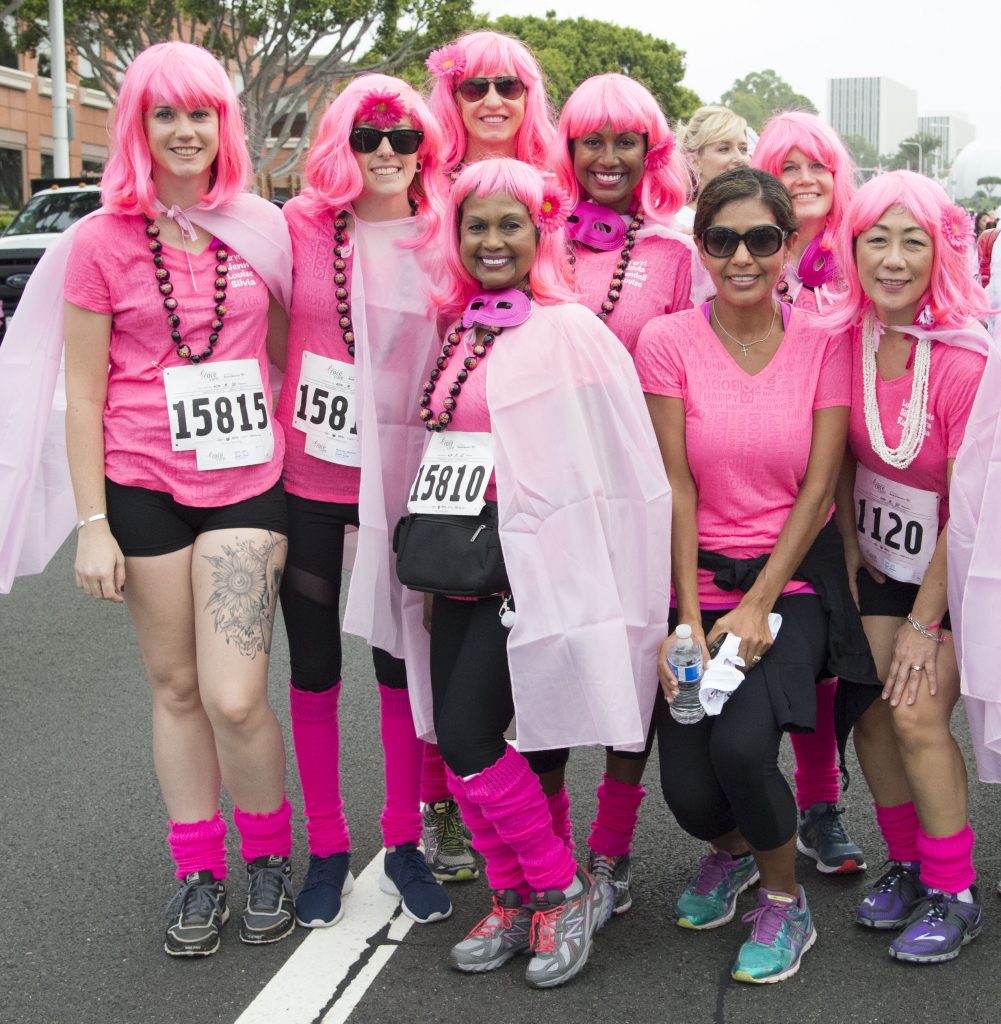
510 797
434 787
199 846
817 777
265 835
947 861
402 751
614 824
559 811
899 826
316 737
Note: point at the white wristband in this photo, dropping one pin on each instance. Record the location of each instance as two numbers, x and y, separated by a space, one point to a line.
92 519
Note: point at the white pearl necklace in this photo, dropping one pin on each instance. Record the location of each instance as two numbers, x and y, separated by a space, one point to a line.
915 422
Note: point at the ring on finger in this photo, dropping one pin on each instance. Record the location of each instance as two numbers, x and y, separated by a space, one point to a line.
756 659
917 668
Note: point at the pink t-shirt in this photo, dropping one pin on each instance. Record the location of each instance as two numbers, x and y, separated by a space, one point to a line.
658 280
748 437
111 272
953 378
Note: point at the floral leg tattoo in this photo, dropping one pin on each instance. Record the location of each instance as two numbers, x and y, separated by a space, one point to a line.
245 582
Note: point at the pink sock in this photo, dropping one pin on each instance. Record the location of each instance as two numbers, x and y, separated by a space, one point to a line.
947 861
559 811
199 846
510 797
316 737
402 751
817 777
265 835
433 785
501 862
899 825
615 822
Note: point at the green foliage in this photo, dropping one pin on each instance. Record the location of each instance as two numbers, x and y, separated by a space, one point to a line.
762 93
907 155
863 152
979 202
989 183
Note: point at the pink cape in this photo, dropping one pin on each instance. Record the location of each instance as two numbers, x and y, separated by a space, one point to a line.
585 518
37 510
702 284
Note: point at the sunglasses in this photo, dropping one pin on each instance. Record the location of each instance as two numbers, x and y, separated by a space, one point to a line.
405 141
764 240
508 87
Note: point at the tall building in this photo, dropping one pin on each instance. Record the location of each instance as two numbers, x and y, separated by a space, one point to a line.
880 110
953 132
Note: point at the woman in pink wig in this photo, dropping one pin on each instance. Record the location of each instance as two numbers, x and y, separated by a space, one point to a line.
541 395
918 357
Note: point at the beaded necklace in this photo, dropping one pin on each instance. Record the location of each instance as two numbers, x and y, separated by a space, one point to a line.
181 347
480 349
615 285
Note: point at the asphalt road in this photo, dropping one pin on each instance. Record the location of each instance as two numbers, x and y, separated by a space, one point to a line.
82 840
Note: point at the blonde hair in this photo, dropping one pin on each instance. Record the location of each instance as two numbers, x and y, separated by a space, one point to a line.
708 125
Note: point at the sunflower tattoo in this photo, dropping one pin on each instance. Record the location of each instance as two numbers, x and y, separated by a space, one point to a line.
245 582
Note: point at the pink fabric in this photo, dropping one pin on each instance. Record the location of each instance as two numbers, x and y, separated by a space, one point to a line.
615 822
510 797
199 846
947 861
817 776
559 811
403 752
899 825
316 737
748 437
433 784
265 835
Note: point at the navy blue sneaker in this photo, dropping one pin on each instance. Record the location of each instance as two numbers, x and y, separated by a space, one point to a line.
406 874
318 904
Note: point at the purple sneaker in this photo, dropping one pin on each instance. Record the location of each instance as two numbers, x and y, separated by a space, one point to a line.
892 899
939 927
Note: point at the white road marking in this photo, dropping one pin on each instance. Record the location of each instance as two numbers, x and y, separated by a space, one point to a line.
308 986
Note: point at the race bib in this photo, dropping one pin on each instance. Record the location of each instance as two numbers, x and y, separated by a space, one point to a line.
219 410
325 410
454 474
897 525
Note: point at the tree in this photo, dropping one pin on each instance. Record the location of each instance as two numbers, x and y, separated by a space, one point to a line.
863 152
762 93
988 184
908 154
289 54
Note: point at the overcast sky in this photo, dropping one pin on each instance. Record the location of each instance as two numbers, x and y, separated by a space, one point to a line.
948 50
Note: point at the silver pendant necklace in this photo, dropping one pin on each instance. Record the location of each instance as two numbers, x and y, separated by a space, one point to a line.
745 345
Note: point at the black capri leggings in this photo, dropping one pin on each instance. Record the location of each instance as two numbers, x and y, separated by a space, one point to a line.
722 772
310 597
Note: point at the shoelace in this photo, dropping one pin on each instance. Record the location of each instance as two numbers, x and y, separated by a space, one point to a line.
938 906
323 871
603 868
892 878
450 835
709 875
266 887
767 920
501 918
195 902
413 868
830 827
542 934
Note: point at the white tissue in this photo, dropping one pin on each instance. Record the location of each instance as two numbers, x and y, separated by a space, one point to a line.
722 675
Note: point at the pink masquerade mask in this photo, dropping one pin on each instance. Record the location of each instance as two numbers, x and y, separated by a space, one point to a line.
817 266
595 226
507 308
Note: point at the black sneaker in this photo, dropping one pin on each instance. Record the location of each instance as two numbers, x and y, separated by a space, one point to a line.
270 913
195 916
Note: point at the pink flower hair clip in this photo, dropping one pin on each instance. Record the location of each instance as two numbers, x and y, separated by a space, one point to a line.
554 210
448 62
381 109
658 156
957 228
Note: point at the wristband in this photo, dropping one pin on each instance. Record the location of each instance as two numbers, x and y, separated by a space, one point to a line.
92 519
925 631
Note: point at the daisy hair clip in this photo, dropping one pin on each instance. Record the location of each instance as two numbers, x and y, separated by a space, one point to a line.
381 109
957 228
448 62
554 209
658 156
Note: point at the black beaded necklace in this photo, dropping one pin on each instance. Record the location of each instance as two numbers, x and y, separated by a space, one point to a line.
181 347
615 285
480 349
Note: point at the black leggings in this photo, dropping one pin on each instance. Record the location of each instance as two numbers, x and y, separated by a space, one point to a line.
471 684
310 597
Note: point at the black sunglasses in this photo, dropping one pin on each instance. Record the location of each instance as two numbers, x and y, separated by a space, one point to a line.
405 141
764 240
508 87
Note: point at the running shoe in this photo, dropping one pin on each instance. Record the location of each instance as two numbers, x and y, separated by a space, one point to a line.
563 928
406 874
270 912
195 916
781 932
822 836
318 904
446 843
501 935
892 899
939 927
711 896
617 873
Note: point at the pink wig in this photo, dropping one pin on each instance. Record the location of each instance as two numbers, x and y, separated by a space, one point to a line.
795 129
185 76
628 107
550 278
492 55
955 293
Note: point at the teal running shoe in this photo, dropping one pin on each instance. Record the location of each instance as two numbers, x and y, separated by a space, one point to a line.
781 932
711 896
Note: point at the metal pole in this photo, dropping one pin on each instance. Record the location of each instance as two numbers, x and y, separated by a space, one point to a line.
917 146
60 121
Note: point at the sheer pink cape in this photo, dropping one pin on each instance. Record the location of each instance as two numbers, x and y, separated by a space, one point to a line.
37 510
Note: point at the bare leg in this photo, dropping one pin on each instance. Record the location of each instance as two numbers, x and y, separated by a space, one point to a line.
625 769
778 867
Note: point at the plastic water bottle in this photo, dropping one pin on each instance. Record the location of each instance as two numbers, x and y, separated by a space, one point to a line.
685 658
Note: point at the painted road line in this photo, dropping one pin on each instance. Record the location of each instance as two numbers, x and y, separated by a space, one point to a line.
324 979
